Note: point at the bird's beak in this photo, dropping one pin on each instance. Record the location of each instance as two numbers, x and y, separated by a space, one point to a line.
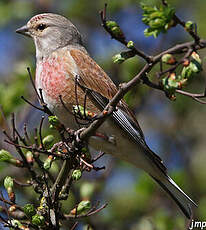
24 30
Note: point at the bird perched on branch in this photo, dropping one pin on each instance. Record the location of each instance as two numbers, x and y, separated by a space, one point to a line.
60 58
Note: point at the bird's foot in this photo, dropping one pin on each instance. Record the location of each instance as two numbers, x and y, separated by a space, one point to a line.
77 135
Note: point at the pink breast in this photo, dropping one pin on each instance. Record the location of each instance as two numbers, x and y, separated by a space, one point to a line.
53 78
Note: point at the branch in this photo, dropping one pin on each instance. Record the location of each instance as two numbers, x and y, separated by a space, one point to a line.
177 20
91 212
194 96
111 106
122 38
181 48
61 179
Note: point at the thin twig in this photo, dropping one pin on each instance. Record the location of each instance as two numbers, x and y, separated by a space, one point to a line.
61 179
32 148
36 137
67 109
173 68
177 20
122 38
74 226
194 96
40 132
22 139
66 187
191 32
101 154
26 133
21 184
33 84
36 107
180 48
89 213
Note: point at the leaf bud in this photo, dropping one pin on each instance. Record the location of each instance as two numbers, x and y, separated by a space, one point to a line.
168 59
111 24
196 57
186 62
54 121
29 157
76 174
38 220
118 59
130 45
48 140
5 156
12 208
82 207
189 25
8 182
48 162
29 210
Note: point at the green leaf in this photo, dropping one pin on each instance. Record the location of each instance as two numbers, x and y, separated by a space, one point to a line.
158 19
191 69
156 23
5 156
83 206
29 210
53 120
38 220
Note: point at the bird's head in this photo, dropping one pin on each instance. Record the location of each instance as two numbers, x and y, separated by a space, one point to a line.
50 32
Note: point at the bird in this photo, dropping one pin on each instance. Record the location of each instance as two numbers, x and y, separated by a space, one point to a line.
61 60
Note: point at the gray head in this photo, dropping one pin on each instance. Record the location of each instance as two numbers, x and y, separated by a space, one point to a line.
50 32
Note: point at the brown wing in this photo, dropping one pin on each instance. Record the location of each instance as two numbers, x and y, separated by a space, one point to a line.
93 75
96 79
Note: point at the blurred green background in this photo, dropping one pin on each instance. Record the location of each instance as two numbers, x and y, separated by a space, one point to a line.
174 130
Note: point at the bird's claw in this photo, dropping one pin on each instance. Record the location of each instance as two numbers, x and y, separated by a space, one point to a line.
77 135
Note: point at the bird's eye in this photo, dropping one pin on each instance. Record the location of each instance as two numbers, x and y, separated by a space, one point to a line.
41 27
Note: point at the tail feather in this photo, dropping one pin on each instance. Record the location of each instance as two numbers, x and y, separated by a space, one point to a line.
184 202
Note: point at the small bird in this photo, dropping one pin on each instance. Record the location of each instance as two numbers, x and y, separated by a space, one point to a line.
60 59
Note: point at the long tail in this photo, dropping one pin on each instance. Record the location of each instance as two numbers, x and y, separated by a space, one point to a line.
181 199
